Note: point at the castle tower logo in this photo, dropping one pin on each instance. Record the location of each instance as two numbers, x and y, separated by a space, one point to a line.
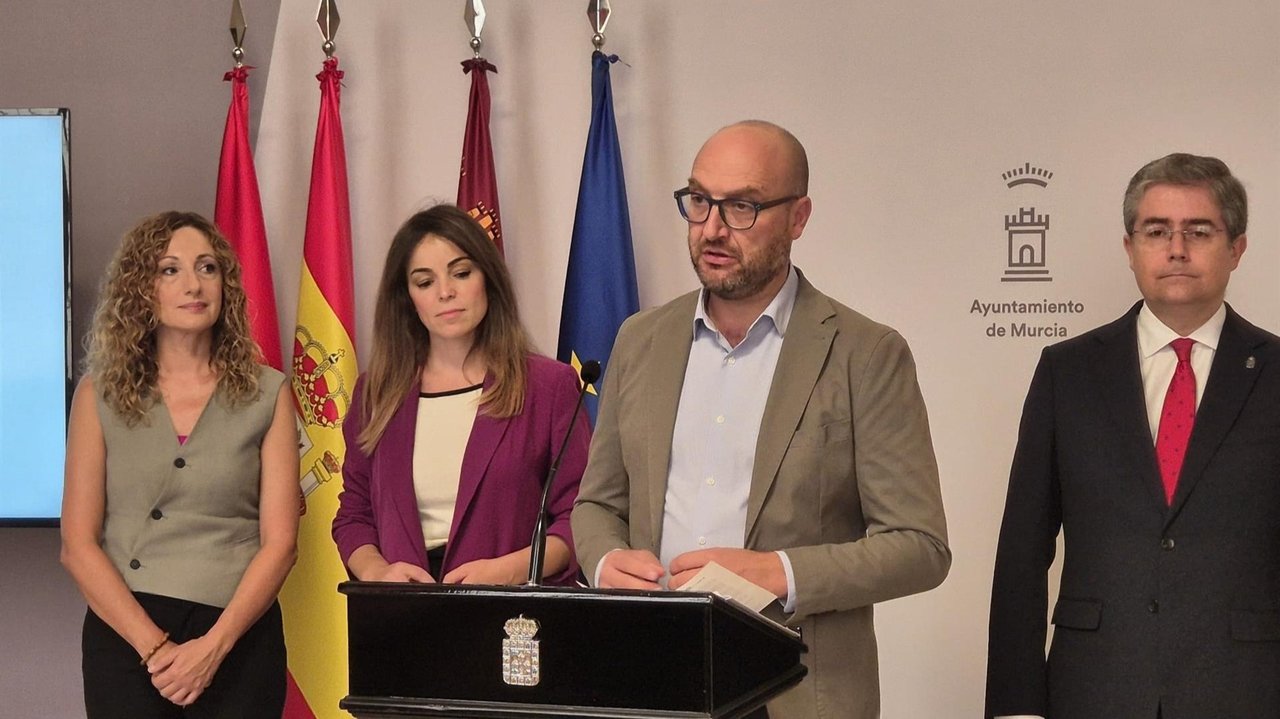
1026 231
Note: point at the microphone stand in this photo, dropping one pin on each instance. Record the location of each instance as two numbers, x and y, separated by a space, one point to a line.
538 546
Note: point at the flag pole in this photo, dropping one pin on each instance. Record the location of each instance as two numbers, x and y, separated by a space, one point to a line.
328 20
238 28
324 372
598 12
473 15
600 281
238 206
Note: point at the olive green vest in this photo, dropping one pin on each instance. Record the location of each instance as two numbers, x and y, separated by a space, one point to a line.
182 519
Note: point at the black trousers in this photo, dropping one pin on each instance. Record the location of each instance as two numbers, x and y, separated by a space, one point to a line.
250 683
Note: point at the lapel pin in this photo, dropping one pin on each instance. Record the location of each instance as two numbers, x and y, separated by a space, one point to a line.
1250 363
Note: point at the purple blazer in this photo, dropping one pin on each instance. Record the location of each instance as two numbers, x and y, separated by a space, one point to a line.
503 467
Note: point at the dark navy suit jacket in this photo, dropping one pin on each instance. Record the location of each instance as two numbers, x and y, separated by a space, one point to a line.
505 463
1172 606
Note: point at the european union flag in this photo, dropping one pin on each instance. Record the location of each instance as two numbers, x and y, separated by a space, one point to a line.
600 287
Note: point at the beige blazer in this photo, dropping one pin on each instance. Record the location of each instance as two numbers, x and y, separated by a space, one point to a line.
844 480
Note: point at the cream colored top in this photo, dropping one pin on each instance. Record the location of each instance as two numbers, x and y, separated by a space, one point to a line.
439 443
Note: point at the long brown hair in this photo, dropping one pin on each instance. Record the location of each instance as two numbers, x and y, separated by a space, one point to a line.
401 343
122 340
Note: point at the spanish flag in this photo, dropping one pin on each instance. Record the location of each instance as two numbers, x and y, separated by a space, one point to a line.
324 376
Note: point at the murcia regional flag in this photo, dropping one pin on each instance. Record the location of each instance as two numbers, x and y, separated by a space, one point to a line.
477 182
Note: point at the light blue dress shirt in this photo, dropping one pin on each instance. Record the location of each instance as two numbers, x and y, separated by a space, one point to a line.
718 421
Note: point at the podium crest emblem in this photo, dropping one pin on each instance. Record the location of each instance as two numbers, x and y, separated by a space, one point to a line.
520 665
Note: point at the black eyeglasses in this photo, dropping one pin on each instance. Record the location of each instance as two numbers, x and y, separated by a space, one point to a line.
737 214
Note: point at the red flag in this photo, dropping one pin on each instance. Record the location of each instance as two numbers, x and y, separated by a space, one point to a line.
238 213
324 375
295 704
478 184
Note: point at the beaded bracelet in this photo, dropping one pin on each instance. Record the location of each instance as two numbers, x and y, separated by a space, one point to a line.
155 649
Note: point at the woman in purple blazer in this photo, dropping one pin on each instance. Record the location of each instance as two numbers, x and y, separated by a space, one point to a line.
456 422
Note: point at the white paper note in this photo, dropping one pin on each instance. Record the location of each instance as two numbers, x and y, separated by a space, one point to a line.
718 580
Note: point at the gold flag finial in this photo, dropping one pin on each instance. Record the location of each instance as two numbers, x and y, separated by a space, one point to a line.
238 27
473 13
598 14
327 18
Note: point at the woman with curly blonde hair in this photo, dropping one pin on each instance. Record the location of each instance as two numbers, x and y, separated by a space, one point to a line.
179 515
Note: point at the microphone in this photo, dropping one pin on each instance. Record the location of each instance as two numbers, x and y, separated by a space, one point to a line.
538 546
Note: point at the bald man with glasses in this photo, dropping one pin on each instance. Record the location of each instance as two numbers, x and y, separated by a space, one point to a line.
761 425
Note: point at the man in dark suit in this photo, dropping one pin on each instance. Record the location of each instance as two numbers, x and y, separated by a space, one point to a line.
1153 443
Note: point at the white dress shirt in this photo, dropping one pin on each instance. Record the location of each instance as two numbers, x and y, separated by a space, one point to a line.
1158 360
717 423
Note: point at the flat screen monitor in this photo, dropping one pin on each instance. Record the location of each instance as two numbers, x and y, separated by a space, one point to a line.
35 312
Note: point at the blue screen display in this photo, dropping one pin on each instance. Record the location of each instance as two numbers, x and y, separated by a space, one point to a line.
33 314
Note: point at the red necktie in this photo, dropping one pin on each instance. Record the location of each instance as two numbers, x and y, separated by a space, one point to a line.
1177 417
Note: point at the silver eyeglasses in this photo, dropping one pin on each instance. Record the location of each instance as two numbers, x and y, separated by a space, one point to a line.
1194 235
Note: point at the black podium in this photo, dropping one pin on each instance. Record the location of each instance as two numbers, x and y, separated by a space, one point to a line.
430 650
